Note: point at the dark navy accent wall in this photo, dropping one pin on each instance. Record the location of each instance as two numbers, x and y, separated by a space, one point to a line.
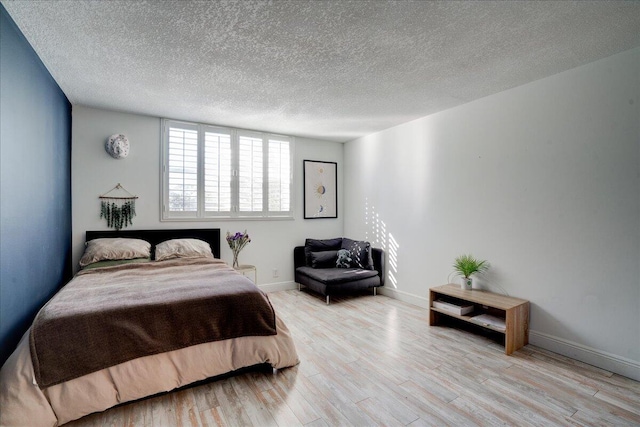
35 185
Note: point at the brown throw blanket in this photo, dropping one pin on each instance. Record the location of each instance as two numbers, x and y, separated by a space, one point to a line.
106 316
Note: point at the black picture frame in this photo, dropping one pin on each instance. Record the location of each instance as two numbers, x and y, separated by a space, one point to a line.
320 189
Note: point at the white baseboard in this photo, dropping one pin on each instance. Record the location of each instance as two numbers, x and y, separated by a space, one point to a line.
583 353
404 296
592 356
280 286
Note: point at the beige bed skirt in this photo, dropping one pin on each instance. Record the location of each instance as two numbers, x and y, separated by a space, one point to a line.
24 404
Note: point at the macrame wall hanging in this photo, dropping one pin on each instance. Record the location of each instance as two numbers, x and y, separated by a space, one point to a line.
118 207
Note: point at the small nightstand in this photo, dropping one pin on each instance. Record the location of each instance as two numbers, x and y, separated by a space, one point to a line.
248 271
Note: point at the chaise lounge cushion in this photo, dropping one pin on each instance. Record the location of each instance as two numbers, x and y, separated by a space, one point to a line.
332 276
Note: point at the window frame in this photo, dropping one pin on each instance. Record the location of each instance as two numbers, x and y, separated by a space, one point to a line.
235 213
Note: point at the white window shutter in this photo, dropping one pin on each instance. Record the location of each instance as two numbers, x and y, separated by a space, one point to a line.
250 174
217 172
183 169
279 189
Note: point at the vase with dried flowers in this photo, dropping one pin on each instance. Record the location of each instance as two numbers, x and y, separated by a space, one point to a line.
236 242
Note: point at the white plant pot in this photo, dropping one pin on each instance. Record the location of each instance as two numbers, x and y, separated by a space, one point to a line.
466 283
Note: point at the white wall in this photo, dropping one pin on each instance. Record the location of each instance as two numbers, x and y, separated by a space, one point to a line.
94 172
543 181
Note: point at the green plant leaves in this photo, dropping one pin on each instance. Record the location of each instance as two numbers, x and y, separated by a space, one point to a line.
118 216
466 265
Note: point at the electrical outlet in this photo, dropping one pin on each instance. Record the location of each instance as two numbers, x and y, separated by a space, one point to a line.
275 273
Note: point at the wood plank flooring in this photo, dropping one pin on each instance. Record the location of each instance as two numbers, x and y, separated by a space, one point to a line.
372 360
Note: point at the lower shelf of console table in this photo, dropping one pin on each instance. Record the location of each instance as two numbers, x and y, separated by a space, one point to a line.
514 311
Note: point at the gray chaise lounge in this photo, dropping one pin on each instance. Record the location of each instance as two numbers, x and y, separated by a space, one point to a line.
315 267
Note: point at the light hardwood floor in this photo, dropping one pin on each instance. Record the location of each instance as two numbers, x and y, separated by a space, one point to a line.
372 360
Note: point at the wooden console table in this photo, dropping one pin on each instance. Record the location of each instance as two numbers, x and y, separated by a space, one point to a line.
514 311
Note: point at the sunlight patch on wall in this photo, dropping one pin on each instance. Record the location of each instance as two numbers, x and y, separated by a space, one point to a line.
376 233
393 260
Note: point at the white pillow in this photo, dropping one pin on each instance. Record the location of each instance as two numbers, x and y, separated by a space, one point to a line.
182 248
114 249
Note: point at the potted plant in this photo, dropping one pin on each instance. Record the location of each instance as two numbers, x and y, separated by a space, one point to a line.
466 265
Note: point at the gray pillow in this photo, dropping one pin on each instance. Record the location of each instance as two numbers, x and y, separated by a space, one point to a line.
182 248
324 259
360 253
114 248
319 245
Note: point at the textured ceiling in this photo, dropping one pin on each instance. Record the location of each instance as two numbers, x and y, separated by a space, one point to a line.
333 70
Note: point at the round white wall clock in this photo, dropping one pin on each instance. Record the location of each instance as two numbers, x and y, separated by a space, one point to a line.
117 146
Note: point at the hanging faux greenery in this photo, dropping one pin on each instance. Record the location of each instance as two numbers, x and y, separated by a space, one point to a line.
118 216
118 210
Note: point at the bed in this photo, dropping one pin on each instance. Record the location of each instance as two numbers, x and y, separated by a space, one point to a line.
122 330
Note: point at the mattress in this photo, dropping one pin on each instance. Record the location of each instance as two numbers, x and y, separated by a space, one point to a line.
26 402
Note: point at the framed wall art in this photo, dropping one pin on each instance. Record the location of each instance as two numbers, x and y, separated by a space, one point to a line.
320 189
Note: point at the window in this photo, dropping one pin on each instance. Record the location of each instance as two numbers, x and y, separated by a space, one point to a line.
211 172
